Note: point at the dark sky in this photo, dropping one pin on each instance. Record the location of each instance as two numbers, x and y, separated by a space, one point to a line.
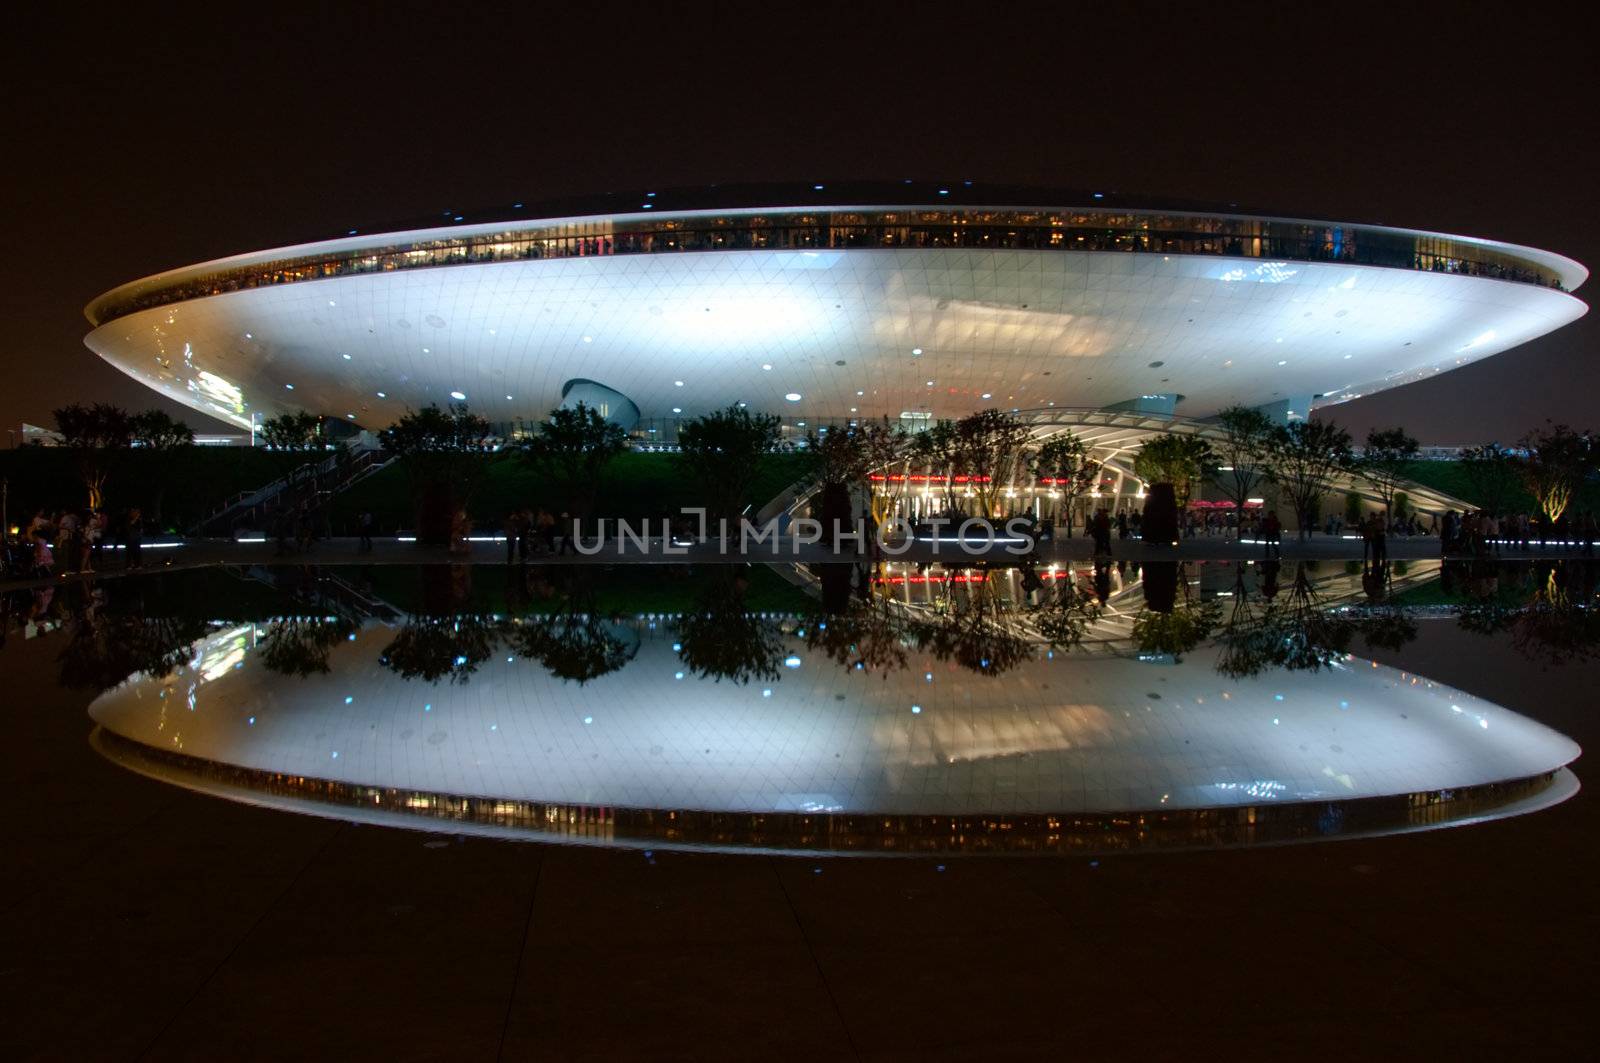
159 136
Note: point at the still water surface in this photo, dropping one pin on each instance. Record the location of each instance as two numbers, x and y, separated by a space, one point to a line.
884 709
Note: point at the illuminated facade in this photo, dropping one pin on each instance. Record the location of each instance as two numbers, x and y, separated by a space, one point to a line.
806 302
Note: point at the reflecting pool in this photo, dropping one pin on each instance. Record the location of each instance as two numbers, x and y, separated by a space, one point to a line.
882 709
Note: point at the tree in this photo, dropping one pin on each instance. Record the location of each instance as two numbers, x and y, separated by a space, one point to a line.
573 447
841 456
887 447
154 430
1178 460
1494 476
443 455
94 434
1558 461
983 451
1383 463
1063 462
1304 457
157 433
720 452
292 431
1241 455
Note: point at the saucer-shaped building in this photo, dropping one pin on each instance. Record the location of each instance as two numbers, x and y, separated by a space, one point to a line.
828 301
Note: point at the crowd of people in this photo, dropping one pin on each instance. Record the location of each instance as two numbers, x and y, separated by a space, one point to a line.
1480 533
67 541
529 532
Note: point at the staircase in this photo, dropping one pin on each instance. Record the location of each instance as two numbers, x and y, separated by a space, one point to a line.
313 484
324 593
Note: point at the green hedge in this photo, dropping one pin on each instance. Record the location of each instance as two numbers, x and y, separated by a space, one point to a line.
189 485
1451 478
635 486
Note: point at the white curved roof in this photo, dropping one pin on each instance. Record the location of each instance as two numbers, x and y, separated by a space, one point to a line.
839 328
1100 734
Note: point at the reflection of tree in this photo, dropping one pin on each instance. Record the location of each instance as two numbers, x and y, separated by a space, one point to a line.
1297 632
1065 614
574 642
869 632
572 646
1560 624
1174 620
300 646
720 640
975 630
441 646
108 648
1300 632
1389 629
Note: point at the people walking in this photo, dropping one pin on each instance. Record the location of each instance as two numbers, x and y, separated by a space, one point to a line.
364 523
1376 539
1271 535
569 533
133 539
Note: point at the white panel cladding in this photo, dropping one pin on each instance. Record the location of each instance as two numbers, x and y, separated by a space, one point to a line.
1029 328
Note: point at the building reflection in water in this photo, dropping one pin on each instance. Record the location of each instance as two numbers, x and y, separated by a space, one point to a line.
870 708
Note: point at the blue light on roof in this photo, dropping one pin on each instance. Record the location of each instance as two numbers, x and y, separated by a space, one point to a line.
649 195
516 206
458 217
816 188
944 191
352 232
1099 195
647 206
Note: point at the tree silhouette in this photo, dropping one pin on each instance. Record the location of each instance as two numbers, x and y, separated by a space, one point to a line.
299 646
95 435
1304 457
441 646
720 452
573 447
719 640
1383 463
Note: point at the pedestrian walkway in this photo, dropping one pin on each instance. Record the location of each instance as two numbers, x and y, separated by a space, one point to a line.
170 555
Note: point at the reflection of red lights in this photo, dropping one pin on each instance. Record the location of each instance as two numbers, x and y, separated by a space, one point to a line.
977 577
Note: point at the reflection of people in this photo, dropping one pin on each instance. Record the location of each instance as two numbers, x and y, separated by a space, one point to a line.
1375 580
1269 578
1102 581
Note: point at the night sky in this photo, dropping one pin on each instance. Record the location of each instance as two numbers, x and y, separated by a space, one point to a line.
154 138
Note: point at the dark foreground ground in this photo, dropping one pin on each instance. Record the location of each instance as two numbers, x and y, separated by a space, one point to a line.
140 921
